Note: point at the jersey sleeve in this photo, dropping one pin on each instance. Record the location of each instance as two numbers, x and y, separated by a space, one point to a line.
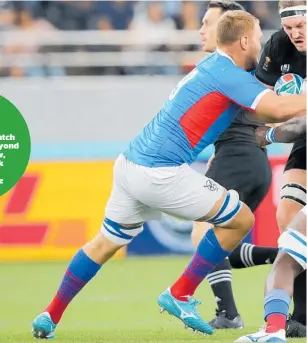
268 69
242 88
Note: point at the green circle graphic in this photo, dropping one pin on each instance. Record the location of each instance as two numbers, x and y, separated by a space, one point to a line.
15 145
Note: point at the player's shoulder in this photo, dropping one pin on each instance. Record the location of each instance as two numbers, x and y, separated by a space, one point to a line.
219 66
280 38
215 61
278 42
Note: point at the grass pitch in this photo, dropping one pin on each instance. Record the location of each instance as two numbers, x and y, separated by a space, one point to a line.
119 305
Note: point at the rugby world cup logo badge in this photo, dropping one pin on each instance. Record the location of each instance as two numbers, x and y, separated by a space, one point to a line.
285 68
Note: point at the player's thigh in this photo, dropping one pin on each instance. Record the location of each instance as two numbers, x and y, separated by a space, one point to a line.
123 207
293 196
196 197
180 192
199 198
225 169
222 171
233 168
245 169
261 177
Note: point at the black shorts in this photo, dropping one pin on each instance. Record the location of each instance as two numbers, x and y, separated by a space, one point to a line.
297 157
244 168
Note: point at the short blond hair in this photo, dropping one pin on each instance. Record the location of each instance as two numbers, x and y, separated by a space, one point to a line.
290 3
232 26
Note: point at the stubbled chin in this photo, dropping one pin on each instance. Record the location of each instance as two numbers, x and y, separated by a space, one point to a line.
206 49
301 48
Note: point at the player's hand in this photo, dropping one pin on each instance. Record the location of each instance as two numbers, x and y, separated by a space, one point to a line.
261 136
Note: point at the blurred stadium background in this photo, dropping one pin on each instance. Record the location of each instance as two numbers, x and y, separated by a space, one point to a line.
87 76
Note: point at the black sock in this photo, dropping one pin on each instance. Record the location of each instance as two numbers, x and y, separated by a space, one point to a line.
220 282
299 298
249 255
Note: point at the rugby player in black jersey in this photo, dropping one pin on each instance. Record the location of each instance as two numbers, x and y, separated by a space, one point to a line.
239 164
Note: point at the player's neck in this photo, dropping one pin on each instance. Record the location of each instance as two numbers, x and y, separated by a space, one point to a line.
237 58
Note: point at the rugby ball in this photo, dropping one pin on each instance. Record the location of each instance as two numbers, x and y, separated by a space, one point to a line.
289 84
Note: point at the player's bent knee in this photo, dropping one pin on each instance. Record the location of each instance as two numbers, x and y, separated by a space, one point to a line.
198 232
244 221
118 233
294 244
229 209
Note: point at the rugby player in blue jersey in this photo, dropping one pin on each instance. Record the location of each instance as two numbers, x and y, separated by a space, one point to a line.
241 164
154 175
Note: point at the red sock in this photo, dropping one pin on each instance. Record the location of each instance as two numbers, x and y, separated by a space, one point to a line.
275 322
183 288
56 309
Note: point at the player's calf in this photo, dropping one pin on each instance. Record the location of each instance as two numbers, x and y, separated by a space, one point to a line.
232 220
83 267
198 232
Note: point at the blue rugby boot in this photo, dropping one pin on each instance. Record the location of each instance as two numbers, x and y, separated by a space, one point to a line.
185 311
43 326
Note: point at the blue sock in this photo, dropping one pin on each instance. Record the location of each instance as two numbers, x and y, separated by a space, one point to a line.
276 301
79 272
209 253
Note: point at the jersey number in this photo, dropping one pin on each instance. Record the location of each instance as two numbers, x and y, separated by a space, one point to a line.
187 78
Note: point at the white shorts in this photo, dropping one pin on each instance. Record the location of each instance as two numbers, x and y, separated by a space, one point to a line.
141 193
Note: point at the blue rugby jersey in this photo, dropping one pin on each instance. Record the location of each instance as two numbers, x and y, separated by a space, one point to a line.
197 112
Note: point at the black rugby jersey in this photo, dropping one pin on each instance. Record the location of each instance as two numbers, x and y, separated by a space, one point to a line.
279 57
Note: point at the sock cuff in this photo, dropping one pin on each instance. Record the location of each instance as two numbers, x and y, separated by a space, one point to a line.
211 237
279 294
219 276
210 249
276 302
83 267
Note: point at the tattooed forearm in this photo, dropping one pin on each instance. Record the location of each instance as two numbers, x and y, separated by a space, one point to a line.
287 132
291 130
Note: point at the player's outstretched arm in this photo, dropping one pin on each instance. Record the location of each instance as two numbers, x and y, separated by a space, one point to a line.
245 90
287 132
272 108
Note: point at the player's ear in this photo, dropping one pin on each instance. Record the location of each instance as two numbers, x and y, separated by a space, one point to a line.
244 42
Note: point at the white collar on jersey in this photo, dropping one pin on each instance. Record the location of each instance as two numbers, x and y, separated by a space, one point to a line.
222 53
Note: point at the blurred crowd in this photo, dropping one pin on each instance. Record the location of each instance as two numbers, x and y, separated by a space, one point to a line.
158 17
